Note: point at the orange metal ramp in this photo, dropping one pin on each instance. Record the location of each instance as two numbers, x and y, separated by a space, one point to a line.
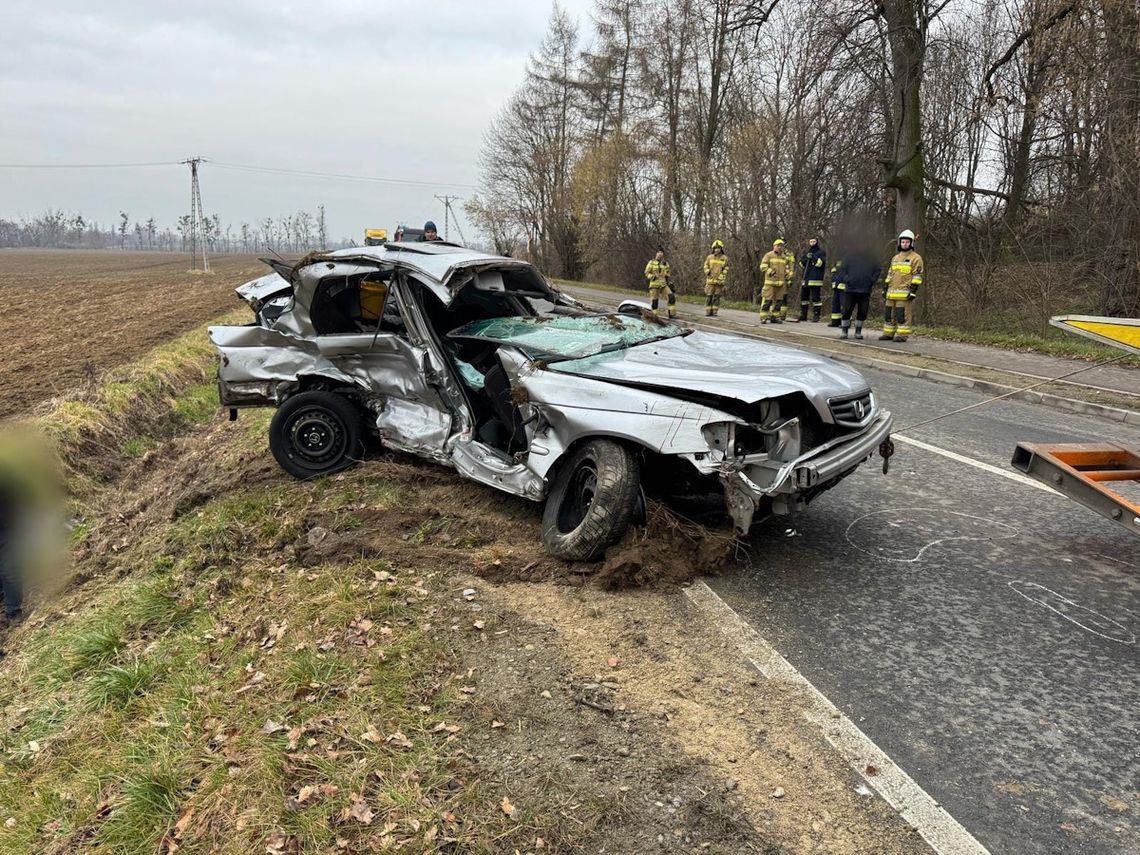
1084 472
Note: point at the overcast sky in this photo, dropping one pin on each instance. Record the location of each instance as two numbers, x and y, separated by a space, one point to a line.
397 90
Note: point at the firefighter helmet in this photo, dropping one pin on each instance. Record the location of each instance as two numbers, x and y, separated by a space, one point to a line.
718 244
778 242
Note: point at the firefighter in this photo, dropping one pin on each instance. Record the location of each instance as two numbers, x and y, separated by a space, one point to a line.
857 273
716 274
777 268
901 287
838 285
657 273
812 260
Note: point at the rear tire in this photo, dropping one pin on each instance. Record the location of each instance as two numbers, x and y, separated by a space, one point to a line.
594 498
316 433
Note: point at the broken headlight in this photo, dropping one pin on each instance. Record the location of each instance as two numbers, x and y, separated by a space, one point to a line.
732 439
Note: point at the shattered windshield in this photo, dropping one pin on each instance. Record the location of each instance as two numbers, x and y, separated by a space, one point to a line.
561 337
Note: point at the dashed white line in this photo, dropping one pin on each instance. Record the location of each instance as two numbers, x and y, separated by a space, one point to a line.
937 827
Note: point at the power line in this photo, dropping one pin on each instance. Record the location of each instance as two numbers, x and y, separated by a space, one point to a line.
88 165
245 167
448 214
376 179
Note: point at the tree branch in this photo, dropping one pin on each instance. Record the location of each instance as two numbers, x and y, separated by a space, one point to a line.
977 191
1050 22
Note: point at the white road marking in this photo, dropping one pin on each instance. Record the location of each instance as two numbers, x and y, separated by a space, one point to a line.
908 519
937 827
977 464
1075 613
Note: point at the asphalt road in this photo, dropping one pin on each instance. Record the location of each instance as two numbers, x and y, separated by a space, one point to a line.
982 632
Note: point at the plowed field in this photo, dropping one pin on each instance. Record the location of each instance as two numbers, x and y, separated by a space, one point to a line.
68 315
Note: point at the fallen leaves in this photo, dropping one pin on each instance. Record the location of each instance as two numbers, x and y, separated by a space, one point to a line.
358 811
373 735
509 809
253 682
183 823
275 634
399 740
270 727
281 844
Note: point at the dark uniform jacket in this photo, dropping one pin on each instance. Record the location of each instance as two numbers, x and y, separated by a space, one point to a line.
814 263
860 272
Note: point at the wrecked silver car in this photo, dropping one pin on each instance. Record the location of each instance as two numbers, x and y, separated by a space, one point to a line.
476 362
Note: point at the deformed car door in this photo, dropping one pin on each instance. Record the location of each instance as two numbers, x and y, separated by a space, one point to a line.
410 415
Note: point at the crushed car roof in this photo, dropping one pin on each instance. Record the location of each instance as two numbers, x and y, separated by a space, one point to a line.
435 258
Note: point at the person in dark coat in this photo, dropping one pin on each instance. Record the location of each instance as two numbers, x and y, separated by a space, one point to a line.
11 576
859 271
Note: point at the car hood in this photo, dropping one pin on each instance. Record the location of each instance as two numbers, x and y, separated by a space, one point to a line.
727 366
257 291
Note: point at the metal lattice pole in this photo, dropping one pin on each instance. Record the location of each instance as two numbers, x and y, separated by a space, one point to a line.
448 214
197 218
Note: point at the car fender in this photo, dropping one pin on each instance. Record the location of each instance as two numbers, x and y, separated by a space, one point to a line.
563 409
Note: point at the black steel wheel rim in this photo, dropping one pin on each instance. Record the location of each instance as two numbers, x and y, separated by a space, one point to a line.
579 496
317 437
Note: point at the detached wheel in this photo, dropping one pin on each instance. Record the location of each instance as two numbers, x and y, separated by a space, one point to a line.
314 434
594 497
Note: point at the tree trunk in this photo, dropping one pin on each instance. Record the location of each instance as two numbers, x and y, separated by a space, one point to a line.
1122 155
905 170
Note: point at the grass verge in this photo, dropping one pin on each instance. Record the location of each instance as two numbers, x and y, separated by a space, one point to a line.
101 426
214 697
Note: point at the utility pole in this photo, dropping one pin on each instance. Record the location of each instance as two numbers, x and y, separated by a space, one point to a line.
197 217
448 214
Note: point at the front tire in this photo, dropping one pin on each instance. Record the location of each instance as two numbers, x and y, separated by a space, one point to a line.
594 497
316 433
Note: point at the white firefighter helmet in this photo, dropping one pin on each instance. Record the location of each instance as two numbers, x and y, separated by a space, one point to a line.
906 234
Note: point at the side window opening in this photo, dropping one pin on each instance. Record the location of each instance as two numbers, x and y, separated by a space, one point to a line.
353 304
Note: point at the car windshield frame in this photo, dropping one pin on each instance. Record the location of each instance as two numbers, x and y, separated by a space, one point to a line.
556 338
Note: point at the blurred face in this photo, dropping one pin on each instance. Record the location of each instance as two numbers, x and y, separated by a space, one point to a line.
660 255
431 234
904 244
718 250
813 243
780 249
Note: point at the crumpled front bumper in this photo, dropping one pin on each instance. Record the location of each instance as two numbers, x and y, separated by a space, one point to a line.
786 483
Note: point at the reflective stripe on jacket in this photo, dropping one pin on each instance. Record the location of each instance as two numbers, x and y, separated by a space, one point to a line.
716 269
777 268
813 262
657 272
904 275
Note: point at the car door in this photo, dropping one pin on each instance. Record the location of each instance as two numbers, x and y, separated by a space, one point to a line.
394 369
